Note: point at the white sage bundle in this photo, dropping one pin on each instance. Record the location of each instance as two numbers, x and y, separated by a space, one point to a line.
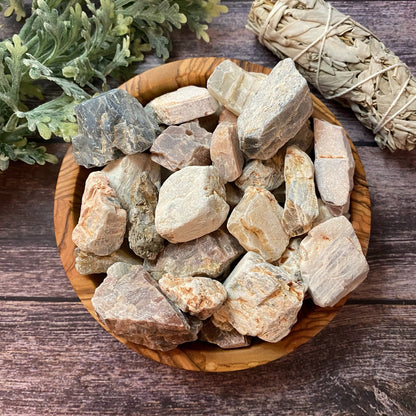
344 61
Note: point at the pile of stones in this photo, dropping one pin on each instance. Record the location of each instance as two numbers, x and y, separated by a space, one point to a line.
206 217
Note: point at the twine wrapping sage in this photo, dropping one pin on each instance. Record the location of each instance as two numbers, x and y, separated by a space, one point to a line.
344 61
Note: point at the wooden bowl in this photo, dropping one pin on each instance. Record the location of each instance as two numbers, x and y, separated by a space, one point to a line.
198 356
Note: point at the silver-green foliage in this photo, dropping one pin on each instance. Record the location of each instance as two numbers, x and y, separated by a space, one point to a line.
76 45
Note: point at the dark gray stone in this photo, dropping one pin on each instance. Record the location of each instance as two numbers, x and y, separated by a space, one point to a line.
110 125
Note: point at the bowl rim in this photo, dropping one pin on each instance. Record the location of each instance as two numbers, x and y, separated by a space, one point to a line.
199 356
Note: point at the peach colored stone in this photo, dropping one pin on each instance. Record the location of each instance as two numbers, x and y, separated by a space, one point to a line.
102 222
199 296
332 263
225 151
334 166
256 222
184 104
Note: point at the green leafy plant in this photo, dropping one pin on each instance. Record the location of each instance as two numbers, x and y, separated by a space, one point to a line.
76 46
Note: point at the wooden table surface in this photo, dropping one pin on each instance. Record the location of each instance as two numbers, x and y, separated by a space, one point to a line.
56 360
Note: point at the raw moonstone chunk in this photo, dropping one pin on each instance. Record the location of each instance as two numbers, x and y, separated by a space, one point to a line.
102 221
199 296
301 204
225 151
262 299
130 303
109 125
267 174
206 256
88 263
224 339
256 222
275 113
290 260
232 86
136 179
331 261
180 146
227 115
191 204
334 166
184 104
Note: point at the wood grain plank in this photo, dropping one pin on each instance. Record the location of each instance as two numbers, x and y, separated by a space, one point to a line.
69 365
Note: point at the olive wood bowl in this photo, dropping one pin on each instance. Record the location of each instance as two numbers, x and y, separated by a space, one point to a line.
199 356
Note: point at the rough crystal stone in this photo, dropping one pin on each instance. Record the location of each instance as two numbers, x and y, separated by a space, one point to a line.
184 104
199 296
206 256
123 173
275 113
324 213
331 261
130 303
135 179
88 263
227 115
232 86
224 339
225 151
180 146
290 260
111 124
301 204
267 174
256 222
334 166
102 222
262 299
191 204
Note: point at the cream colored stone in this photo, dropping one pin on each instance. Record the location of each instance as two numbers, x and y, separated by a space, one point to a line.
191 204
184 104
122 174
290 260
262 299
334 166
256 222
332 262
275 113
265 174
232 86
199 296
102 222
225 151
301 204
